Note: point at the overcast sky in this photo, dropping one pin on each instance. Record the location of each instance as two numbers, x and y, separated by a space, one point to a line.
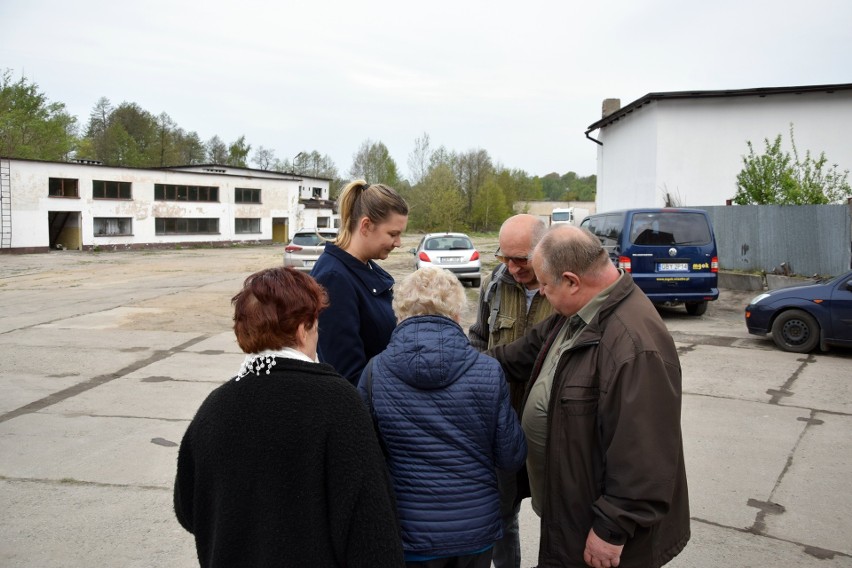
522 80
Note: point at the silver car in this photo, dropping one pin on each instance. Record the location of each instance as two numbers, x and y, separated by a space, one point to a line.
306 247
450 251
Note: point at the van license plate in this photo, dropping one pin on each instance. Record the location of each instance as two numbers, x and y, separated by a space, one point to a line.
672 267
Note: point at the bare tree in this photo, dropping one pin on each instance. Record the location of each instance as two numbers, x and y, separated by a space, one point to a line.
418 160
263 158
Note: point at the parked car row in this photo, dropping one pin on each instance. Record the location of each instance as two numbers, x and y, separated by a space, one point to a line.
671 254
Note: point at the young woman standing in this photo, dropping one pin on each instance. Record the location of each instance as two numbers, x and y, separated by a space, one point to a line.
359 320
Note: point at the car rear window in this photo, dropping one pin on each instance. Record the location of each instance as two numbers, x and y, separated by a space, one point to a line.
669 228
308 239
449 243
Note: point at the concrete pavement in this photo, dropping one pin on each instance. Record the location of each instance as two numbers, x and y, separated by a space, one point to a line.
105 358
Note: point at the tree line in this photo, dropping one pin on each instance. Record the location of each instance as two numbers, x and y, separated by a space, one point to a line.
446 189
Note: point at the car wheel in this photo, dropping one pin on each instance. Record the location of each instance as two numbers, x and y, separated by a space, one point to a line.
696 308
476 282
796 331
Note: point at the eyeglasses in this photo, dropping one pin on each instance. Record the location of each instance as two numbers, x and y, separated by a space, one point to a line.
518 260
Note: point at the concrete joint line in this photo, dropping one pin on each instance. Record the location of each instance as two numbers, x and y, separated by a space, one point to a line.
785 389
79 388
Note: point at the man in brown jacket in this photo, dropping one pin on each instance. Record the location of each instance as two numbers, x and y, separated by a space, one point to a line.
601 414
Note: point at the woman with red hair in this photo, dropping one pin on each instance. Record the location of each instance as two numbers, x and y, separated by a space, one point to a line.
281 465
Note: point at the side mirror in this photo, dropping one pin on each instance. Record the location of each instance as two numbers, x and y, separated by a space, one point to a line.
412 251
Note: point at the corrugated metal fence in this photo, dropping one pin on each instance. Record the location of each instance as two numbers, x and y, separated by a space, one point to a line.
808 239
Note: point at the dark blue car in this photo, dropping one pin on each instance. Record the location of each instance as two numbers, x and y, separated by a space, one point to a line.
804 317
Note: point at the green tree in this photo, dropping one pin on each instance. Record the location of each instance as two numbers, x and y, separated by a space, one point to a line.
553 186
137 132
472 170
238 153
217 151
32 127
190 148
373 163
517 185
165 150
777 177
436 203
490 208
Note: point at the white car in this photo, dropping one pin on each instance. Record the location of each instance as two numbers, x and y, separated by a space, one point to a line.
306 247
450 251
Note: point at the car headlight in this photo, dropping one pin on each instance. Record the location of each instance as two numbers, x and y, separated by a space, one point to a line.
758 298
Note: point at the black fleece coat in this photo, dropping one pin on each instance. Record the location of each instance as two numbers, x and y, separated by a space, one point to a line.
285 470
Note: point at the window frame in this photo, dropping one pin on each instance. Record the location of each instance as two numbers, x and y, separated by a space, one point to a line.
122 221
110 186
63 193
164 226
247 195
248 230
179 192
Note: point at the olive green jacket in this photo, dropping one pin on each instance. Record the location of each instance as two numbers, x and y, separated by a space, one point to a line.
502 317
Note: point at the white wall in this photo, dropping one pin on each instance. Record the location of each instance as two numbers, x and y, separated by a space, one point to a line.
699 144
30 203
627 162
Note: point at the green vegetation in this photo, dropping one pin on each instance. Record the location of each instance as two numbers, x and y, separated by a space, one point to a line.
447 190
777 177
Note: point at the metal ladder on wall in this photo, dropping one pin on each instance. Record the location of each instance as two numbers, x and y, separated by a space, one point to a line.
5 204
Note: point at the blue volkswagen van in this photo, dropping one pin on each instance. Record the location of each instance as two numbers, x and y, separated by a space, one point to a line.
670 253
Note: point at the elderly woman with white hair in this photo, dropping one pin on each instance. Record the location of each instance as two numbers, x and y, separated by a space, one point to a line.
442 411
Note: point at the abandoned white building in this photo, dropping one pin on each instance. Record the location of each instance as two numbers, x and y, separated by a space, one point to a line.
85 205
686 148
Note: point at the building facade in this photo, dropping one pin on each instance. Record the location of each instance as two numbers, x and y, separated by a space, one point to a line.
86 205
686 148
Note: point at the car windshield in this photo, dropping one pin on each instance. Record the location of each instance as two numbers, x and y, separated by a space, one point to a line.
669 228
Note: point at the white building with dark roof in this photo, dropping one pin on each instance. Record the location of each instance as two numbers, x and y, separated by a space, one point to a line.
686 148
85 205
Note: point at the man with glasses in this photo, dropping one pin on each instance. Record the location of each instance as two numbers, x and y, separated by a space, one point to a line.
601 413
509 305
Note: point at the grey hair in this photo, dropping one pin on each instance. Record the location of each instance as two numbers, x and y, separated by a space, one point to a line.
571 249
429 291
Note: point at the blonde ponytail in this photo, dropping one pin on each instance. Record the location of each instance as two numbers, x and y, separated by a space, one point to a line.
360 199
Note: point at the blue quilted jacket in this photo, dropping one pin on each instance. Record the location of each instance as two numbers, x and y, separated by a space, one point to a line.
443 412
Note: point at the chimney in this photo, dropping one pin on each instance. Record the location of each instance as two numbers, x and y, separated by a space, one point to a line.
610 106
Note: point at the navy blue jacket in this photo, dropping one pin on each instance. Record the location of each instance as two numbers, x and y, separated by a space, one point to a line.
442 409
358 323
